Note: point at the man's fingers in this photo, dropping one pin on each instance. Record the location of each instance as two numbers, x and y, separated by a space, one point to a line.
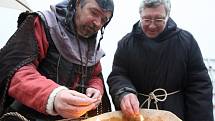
74 98
130 105
126 105
135 105
70 104
89 93
93 93
80 101
78 94
96 95
71 111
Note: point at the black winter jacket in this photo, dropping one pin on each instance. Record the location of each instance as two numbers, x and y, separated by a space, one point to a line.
172 61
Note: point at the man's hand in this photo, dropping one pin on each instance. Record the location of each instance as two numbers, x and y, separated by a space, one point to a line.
72 104
130 105
95 94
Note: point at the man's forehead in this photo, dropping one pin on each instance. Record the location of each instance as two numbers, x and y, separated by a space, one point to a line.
160 10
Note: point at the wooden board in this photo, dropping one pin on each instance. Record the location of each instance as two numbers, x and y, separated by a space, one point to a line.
148 115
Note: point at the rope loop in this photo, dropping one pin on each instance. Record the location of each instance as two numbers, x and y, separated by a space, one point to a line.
157 98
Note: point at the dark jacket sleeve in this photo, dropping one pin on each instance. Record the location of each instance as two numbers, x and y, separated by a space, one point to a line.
13 56
118 80
198 89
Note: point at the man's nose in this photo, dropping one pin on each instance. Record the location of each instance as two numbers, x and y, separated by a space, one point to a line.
152 24
97 23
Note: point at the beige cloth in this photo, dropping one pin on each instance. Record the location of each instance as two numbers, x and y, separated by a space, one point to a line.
148 115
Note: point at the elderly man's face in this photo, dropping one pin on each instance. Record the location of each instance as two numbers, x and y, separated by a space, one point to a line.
90 18
153 21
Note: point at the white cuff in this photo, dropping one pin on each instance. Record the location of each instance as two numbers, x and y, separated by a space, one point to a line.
50 104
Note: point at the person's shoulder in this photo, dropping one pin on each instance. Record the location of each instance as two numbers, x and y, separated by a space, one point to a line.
126 38
185 34
126 41
24 15
187 38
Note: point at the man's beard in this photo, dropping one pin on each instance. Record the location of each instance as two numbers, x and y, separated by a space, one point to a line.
87 31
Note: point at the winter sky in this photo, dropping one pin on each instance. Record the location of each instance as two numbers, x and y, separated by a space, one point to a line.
196 16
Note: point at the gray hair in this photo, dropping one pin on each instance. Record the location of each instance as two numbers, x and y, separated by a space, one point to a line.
107 5
154 3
